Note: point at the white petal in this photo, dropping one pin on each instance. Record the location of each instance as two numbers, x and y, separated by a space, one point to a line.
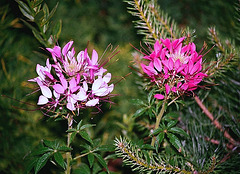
42 100
92 102
101 92
107 77
97 84
46 91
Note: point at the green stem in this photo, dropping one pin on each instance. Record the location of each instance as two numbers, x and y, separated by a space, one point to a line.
68 154
82 155
158 119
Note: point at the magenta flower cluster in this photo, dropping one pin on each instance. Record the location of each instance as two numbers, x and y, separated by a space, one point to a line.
72 81
174 68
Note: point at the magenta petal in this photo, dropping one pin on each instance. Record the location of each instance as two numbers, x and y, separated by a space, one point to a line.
170 64
46 91
72 83
92 102
167 87
157 64
66 48
195 68
58 88
42 100
63 82
159 96
49 75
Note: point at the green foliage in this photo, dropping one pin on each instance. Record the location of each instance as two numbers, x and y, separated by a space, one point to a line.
46 32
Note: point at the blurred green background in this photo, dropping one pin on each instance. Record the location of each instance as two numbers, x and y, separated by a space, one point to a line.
99 22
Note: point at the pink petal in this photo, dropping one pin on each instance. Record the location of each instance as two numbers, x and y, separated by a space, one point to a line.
159 96
167 87
72 84
195 68
157 64
71 106
63 82
81 95
92 102
170 64
46 91
101 92
42 100
58 88
66 48
49 75
94 57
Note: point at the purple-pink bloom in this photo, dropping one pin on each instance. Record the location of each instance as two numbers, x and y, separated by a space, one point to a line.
74 81
173 66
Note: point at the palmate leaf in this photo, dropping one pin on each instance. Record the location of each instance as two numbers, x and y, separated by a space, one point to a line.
42 161
90 159
59 159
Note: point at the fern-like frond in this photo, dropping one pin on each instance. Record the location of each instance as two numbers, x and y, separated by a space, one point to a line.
226 54
142 162
153 22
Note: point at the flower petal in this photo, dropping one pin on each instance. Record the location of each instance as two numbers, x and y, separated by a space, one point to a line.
107 77
159 96
46 91
42 100
92 102
58 88
66 48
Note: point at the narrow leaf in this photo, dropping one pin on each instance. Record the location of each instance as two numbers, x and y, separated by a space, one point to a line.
30 165
85 135
79 124
41 151
178 130
42 161
160 137
156 131
64 148
139 112
175 141
59 159
73 135
87 126
90 159
171 124
71 130
101 161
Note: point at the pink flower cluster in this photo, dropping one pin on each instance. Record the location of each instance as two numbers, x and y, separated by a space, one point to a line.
173 67
74 82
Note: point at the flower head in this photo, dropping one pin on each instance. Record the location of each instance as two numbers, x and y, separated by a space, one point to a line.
174 67
72 81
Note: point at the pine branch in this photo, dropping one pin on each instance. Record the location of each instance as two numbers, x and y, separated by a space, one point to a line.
141 162
153 23
227 55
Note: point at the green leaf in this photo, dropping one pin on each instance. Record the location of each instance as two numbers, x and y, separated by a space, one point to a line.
175 141
85 135
24 7
30 165
38 18
41 151
139 112
51 144
90 159
146 155
178 130
160 137
57 28
39 37
26 14
71 130
37 3
87 126
101 161
73 135
150 95
106 148
79 124
51 14
46 11
42 161
156 131
59 159
147 146
171 123
83 169
137 102
64 148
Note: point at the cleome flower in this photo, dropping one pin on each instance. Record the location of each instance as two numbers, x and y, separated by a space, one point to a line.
175 68
72 82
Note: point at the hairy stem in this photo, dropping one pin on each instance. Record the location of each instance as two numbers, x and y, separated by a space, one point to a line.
68 154
215 122
158 119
